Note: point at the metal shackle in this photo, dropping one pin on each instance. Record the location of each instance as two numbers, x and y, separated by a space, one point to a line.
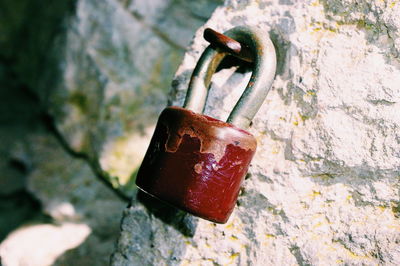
263 74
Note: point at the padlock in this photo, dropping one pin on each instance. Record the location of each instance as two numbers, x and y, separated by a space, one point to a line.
198 163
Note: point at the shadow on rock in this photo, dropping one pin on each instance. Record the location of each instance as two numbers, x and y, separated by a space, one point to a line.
90 252
180 220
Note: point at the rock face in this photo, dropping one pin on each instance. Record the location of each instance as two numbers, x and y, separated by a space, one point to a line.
83 214
94 75
118 59
323 187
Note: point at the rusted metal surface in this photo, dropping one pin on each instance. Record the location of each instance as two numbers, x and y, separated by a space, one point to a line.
196 163
263 75
229 45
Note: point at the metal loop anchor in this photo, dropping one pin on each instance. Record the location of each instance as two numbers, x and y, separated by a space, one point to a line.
264 67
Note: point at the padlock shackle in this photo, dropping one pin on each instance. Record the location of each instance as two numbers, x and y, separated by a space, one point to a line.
264 68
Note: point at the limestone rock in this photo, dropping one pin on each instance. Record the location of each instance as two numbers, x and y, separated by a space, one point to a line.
85 214
98 70
323 187
117 60
54 240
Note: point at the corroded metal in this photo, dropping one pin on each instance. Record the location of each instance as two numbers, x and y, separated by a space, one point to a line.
229 45
196 163
260 82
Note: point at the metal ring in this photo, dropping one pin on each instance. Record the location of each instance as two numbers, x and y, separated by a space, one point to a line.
260 82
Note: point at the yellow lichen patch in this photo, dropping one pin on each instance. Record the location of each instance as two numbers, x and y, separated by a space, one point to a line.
392 4
389 210
234 255
322 29
212 262
212 225
270 209
229 226
317 225
232 230
353 255
233 258
314 194
311 92
234 226
234 238
348 198
323 176
333 30
303 117
269 236
320 220
299 117
185 263
395 227
381 208
275 150
349 253
268 239
315 3
362 24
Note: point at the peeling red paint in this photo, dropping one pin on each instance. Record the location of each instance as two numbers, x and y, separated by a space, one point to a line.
196 163
214 134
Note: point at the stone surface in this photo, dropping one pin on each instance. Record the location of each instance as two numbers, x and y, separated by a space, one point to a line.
100 69
323 188
84 214
93 74
118 60
54 240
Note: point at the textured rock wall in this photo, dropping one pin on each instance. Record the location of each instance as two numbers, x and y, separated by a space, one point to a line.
81 84
26 29
323 188
83 214
117 61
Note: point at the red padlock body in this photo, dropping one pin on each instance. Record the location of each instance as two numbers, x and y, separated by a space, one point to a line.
196 163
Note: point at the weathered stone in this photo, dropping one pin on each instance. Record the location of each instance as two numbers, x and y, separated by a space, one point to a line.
85 213
323 188
96 74
54 240
118 61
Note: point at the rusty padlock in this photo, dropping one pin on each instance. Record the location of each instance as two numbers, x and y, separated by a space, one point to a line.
195 162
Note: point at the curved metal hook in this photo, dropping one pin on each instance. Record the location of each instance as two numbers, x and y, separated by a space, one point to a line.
258 86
